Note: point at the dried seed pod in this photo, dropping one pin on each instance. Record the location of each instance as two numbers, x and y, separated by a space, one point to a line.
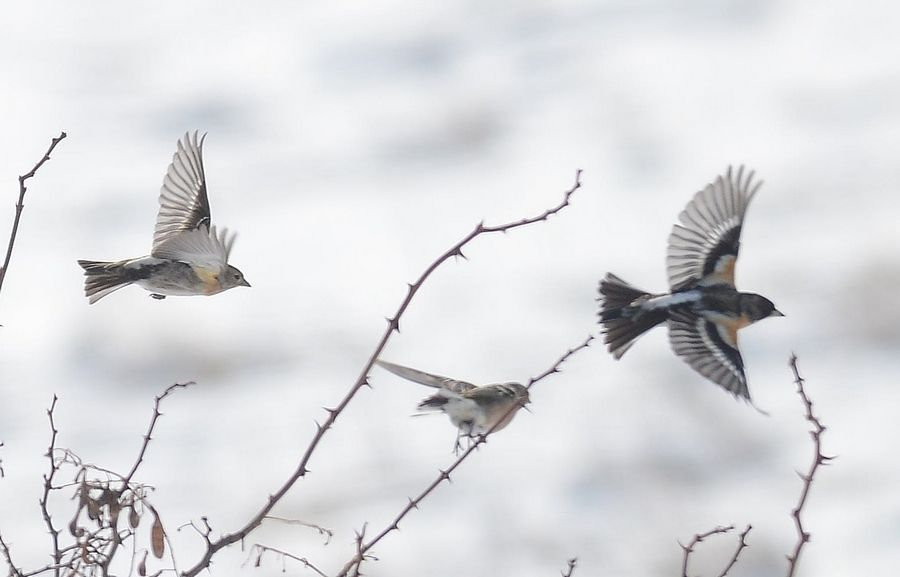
114 509
157 537
133 518
142 566
93 509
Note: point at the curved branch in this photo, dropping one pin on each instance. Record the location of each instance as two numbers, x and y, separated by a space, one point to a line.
742 544
126 480
48 486
819 459
698 538
20 204
364 547
213 546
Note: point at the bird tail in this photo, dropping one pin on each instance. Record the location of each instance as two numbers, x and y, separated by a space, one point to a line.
436 401
622 322
102 278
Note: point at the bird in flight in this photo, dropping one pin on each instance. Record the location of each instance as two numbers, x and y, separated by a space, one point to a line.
703 309
472 409
189 256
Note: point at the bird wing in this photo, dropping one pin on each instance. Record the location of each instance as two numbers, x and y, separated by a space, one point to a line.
202 247
183 202
427 379
704 247
711 348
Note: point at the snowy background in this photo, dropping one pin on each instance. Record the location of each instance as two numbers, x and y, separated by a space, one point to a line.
352 144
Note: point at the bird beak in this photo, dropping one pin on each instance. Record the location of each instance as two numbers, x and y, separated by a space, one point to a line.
776 313
244 282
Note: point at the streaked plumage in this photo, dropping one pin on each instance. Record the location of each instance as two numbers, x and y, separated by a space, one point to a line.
472 409
703 309
189 256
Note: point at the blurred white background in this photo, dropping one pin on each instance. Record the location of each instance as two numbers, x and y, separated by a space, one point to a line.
351 145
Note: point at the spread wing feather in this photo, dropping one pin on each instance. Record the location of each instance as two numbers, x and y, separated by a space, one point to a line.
183 200
699 342
703 248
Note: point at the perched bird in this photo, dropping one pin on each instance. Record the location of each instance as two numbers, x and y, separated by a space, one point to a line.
703 309
189 257
472 409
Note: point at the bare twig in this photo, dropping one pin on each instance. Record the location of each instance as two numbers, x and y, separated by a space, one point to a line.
7 556
819 459
20 204
352 566
213 546
327 533
126 480
106 504
742 543
698 538
570 567
156 415
258 550
48 480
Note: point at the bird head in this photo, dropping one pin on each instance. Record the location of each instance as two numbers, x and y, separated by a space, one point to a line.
757 307
231 278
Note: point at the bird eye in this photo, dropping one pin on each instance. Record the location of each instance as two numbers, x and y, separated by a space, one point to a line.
237 276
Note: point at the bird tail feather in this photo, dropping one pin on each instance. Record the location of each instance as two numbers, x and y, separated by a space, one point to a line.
102 278
622 325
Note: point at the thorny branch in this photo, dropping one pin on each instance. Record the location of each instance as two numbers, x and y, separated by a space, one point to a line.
742 543
352 566
698 538
213 546
48 486
819 459
156 415
7 556
15 227
95 540
20 204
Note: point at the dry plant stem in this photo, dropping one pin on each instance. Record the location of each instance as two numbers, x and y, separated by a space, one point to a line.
259 550
819 459
352 566
20 204
92 554
742 543
213 546
126 480
570 568
698 538
147 437
327 533
48 480
7 556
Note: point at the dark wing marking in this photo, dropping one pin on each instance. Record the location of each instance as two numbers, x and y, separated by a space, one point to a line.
706 347
183 202
704 247
427 379
492 394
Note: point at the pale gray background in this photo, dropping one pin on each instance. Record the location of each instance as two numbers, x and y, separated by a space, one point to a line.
350 145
